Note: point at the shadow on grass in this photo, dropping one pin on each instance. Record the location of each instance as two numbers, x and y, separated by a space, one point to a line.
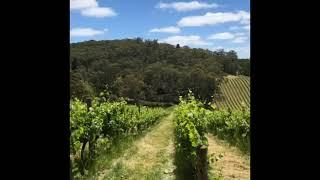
242 144
115 149
184 170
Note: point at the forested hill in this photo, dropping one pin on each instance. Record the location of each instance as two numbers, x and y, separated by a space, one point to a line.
148 70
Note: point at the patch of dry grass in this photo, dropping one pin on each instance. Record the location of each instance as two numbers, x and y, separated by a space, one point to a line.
151 157
230 162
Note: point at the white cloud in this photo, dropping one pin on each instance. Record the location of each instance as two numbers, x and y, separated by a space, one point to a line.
224 35
240 39
83 32
170 29
245 17
242 52
214 18
245 21
247 27
186 6
82 4
91 8
233 28
185 40
216 48
98 12
240 34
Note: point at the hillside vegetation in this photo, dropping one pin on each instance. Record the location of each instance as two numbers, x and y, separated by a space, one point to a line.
114 140
234 92
149 71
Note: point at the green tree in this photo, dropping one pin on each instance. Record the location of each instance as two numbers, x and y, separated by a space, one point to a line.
161 71
80 88
130 86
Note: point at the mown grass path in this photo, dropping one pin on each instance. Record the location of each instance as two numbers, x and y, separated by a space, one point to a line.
229 162
150 157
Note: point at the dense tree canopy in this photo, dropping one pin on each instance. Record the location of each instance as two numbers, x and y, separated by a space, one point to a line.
148 70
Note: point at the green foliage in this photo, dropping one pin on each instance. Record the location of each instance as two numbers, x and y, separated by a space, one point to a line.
193 122
244 67
234 93
191 127
129 86
105 120
161 71
233 126
80 88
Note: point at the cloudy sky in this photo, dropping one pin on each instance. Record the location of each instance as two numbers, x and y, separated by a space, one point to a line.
208 24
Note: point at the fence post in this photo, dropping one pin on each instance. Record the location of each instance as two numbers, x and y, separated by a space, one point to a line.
71 175
90 140
89 103
202 163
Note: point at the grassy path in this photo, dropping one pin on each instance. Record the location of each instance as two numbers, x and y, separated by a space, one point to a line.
230 164
150 157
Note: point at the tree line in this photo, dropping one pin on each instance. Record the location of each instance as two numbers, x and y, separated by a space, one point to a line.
147 70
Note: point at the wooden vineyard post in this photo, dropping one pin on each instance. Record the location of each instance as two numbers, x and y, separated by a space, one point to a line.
71 175
139 106
85 141
91 139
202 163
89 103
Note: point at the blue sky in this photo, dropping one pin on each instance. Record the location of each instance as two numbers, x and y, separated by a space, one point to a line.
208 24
